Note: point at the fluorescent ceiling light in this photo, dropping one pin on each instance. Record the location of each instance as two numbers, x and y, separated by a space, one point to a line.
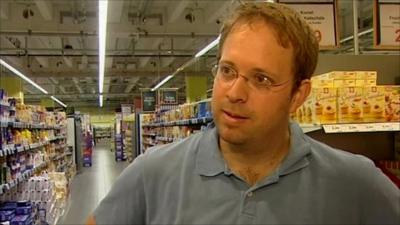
162 82
208 47
15 71
103 5
101 100
58 101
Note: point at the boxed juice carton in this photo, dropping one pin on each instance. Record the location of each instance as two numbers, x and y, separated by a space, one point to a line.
374 104
324 105
392 102
350 104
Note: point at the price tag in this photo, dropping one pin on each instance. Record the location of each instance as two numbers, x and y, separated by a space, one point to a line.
387 127
352 128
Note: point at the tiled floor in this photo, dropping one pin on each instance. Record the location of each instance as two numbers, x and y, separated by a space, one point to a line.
91 185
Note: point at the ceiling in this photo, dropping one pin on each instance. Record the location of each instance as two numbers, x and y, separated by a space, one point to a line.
55 43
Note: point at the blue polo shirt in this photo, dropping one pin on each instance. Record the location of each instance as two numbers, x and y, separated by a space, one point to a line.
189 182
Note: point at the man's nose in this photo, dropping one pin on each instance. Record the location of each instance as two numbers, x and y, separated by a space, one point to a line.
238 91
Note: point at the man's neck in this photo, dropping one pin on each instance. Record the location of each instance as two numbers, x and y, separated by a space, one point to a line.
258 159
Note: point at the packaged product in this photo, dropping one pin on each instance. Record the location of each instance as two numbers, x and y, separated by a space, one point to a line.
305 113
350 104
366 78
374 104
324 105
392 102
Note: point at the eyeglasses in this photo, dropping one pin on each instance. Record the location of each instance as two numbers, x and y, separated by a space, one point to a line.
257 80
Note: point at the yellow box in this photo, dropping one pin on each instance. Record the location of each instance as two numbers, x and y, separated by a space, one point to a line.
324 105
366 75
350 104
392 102
304 114
321 83
338 75
344 83
374 104
366 83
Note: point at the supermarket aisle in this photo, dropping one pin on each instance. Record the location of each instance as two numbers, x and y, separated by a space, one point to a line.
91 185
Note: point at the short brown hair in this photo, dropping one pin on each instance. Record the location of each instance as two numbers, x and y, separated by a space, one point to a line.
291 30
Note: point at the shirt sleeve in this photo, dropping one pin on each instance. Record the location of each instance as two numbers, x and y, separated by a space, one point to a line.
380 198
125 203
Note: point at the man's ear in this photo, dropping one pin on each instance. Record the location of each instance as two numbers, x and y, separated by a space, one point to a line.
300 95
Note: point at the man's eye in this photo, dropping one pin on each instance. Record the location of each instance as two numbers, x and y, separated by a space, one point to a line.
226 70
262 79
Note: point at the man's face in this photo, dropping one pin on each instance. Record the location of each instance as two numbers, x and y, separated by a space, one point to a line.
243 113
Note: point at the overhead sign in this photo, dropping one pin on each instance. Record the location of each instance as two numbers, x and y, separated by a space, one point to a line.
387 24
321 15
169 96
126 109
149 101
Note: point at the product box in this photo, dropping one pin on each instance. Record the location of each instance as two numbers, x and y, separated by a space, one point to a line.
366 78
392 102
324 105
317 82
350 104
374 104
7 215
21 220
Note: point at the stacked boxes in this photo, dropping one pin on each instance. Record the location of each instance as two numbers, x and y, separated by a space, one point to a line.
349 97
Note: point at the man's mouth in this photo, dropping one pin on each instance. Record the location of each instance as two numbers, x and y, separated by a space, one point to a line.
235 116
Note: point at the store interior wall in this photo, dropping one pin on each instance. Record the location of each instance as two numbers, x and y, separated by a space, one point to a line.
387 66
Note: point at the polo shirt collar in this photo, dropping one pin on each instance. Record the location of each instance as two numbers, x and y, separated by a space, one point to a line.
210 162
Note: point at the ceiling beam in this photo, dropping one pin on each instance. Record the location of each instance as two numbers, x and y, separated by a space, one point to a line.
106 85
113 73
132 83
43 61
217 11
68 61
175 11
116 7
45 8
76 83
4 10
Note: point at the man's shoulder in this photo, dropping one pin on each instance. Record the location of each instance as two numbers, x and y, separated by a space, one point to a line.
343 165
330 156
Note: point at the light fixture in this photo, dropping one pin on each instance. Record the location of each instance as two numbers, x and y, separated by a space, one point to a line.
103 5
208 47
169 77
101 100
15 71
58 101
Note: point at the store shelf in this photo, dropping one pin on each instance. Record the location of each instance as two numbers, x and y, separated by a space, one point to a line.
23 177
195 121
361 127
28 125
12 149
58 138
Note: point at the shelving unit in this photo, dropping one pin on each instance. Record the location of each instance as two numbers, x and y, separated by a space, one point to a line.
32 150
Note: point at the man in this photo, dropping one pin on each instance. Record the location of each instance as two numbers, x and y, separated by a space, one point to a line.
254 166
